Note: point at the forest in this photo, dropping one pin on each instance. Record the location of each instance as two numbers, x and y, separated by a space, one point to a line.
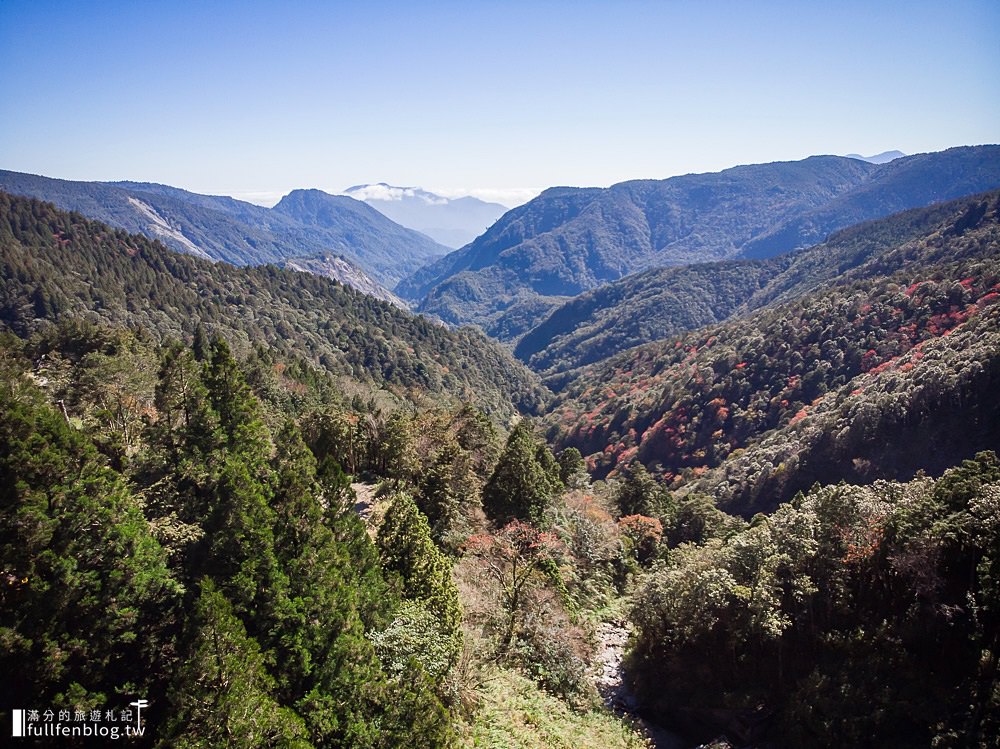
290 515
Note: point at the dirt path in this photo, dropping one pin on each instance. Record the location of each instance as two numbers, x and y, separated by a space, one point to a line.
364 504
612 639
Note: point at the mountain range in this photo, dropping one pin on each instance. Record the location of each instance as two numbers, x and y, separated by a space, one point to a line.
453 222
304 224
871 356
731 437
58 267
571 240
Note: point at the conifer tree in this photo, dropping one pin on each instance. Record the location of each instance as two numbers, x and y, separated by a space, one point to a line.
85 594
223 695
407 551
524 480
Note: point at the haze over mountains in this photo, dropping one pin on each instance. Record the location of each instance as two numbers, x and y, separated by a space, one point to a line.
571 240
880 158
453 222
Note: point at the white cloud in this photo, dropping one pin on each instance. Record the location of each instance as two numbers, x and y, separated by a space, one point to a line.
381 192
266 198
510 197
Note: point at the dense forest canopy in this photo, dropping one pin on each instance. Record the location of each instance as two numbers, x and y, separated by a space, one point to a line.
890 368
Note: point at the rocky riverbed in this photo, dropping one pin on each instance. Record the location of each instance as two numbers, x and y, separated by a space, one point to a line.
612 639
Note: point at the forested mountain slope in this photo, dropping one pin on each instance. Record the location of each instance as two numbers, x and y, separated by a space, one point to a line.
874 377
59 265
658 304
222 228
571 240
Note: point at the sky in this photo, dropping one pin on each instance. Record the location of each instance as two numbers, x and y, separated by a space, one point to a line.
498 100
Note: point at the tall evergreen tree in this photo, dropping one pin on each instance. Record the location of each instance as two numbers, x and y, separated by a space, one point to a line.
524 480
223 695
408 552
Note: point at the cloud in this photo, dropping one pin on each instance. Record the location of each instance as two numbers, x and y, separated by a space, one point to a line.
380 191
266 198
509 197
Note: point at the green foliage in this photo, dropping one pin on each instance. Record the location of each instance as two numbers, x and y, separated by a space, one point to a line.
895 582
524 480
223 694
290 588
58 265
407 551
861 379
639 494
517 714
85 590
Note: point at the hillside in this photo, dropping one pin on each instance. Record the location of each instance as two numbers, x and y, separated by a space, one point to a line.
452 222
658 304
221 228
354 228
571 240
879 375
58 265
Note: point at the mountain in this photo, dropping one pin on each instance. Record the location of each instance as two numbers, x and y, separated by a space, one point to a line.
640 308
571 240
60 266
389 249
343 271
880 158
453 222
891 367
659 304
222 228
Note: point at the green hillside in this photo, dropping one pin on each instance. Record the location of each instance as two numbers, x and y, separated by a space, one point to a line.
658 304
62 266
571 240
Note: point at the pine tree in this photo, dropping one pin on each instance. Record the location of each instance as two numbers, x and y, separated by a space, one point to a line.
85 594
407 551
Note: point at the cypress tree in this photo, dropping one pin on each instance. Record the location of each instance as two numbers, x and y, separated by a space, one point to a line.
524 480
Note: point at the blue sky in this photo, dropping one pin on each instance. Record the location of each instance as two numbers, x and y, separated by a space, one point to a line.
499 99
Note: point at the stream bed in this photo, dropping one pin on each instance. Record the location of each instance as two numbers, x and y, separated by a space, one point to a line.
612 638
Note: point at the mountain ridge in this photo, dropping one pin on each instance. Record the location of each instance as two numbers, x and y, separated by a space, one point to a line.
223 228
571 240
59 265
870 374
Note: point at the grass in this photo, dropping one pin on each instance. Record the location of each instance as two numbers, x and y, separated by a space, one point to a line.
515 714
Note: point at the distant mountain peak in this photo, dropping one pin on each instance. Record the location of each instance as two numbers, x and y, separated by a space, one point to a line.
453 222
880 158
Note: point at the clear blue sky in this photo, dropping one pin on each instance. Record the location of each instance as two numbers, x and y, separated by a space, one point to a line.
259 98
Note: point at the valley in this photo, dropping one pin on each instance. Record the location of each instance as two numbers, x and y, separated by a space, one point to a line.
704 459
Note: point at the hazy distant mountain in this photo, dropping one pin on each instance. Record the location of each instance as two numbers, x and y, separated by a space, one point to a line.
570 240
453 222
880 158
222 228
